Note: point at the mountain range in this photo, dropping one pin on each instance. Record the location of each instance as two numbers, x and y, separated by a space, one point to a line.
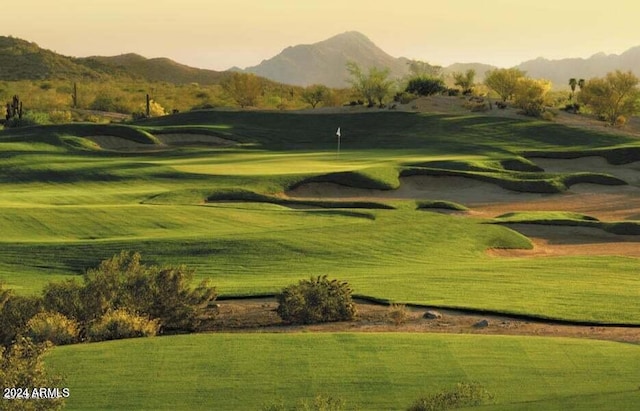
319 63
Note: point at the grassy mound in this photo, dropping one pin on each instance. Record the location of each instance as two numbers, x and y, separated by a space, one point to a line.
616 155
250 196
520 181
556 218
377 178
370 371
445 205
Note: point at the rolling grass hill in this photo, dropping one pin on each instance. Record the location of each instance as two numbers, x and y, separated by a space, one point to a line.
69 200
369 371
67 204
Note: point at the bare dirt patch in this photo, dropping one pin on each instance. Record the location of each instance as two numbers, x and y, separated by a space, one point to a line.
258 315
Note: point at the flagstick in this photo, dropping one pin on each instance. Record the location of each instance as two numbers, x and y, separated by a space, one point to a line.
338 154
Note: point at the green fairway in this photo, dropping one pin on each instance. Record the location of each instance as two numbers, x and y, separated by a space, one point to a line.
371 371
64 207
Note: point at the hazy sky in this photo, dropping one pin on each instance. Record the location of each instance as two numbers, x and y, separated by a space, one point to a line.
218 34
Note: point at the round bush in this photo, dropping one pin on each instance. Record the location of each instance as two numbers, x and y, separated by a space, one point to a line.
316 300
52 326
119 324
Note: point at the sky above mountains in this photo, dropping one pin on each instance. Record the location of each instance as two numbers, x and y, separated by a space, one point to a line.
219 34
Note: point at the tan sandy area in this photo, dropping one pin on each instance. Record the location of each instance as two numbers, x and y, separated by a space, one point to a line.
258 315
122 144
193 139
486 200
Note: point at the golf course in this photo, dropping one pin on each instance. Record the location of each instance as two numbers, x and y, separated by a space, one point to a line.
511 217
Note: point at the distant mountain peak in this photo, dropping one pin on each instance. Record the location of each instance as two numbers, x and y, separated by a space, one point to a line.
325 62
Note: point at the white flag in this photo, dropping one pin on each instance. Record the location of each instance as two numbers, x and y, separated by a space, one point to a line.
338 132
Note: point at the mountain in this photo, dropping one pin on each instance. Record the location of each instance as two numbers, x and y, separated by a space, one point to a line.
325 62
598 65
155 69
22 60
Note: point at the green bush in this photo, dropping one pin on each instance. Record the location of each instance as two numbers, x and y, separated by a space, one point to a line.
14 315
30 118
119 324
53 327
425 86
398 314
21 366
161 292
60 116
316 300
65 298
463 395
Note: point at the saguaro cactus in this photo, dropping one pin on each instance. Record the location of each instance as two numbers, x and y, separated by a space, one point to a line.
14 108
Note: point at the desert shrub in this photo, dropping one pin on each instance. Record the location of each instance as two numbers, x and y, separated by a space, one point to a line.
323 403
161 292
316 300
64 298
398 314
30 118
60 116
119 324
319 403
463 395
404 97
425 86
547 116
21 366
53 327
620 121
15 312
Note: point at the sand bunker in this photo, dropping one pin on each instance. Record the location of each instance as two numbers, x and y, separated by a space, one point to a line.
458 189
627 172
193 139
486 200
122 144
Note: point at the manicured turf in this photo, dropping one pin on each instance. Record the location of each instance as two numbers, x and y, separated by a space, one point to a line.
63 208
371 371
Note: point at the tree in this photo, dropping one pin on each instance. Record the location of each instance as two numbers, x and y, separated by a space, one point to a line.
503 81
419 68
425 86
581 83
21 367
572 83
122 282
315 94
529 95
613 97
243 88
465 80
161 292
316 300
373 86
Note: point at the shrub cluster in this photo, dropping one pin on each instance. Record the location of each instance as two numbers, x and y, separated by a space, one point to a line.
121 298
463 395
119 324
316 300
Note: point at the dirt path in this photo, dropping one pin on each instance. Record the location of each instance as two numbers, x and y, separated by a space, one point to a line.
258 315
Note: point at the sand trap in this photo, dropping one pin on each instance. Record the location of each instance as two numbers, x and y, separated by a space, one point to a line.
458 189
550 241
122 144
627 172
194 139
607 203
